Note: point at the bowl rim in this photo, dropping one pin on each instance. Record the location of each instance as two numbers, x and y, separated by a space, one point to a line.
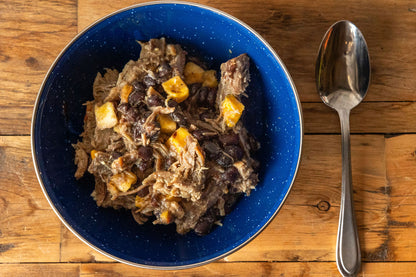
79 35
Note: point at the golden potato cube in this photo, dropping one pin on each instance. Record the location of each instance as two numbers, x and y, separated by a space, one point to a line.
176 89
139 202
210 79
125 92
231 110
165 217
172 198
116 129
117 163
167 125
193 73
123 181
105 116
178 139
94 154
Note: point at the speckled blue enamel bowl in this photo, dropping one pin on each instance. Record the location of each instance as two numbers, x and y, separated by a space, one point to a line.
273 114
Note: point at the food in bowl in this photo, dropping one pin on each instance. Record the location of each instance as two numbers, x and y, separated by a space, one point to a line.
272 114
164 139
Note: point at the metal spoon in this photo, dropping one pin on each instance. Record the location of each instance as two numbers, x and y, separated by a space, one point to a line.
342 78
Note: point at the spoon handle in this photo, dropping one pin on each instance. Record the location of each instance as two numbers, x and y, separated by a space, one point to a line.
348 246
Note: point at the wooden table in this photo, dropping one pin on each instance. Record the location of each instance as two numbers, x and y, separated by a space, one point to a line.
301 239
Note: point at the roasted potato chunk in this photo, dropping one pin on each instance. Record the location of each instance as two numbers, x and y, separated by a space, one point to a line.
231 110
105 116
176 89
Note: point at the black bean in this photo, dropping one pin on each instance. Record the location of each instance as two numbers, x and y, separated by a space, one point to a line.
136 97
154 132
202 95
132 114
145 152
143 165
203 227
234 151
233 188
211 97
193 88
143 192
137 128
223 160
230 175
136 131
179 117
230 200
212 149
123 107
154 100
149 81
205 223
230 139
138 86
172 103
164 69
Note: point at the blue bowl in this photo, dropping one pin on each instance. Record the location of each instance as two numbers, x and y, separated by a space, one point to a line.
273 115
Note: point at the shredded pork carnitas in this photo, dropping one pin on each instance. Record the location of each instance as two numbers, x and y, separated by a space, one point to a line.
164 139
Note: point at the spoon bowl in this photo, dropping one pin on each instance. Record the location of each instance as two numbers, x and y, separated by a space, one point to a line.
343 67
342 79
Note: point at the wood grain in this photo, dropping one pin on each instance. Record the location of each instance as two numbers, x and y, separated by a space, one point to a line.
401 175
40 270
306 227
367 118
29 229
295 33
290 269
48 26
300 241
243 269
304 230
32 33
